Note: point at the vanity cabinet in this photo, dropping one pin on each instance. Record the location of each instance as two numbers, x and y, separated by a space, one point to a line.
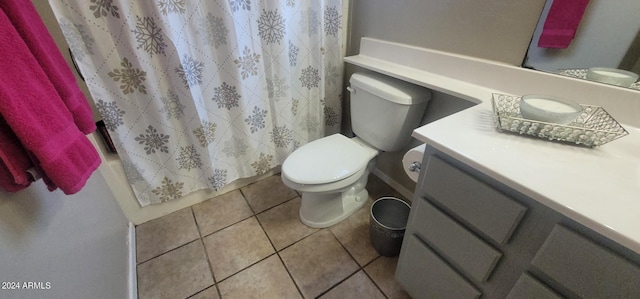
470 236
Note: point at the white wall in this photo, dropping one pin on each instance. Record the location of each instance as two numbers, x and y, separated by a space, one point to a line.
76 243
498 30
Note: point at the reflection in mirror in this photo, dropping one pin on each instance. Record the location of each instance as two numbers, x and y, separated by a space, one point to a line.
608 36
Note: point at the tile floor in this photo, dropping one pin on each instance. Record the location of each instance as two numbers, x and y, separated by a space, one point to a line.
249 243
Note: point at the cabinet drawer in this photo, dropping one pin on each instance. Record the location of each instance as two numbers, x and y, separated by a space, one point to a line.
488 210
528 287
461 248
585 268
424 275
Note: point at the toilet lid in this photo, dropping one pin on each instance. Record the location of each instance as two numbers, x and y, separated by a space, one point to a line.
326 160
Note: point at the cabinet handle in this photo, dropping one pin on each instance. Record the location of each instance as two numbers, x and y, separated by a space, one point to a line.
414 166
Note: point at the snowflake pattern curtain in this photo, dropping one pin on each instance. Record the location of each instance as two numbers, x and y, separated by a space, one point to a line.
197 94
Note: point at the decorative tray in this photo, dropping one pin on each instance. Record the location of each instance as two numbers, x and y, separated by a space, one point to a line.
582 74
592 128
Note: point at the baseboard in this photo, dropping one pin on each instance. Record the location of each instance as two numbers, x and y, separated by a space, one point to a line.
133 272
395 185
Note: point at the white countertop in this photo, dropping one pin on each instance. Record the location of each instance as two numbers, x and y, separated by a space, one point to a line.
596 187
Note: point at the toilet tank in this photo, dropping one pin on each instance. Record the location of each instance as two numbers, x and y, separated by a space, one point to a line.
385 110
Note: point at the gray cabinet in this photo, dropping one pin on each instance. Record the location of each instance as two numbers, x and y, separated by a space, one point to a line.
585 268
454 242
429 275
489 211
471 236
528 287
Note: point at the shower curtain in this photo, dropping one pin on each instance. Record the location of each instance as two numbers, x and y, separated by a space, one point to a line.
197 94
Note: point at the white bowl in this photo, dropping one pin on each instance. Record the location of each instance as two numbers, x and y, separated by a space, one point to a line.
549 109
612 76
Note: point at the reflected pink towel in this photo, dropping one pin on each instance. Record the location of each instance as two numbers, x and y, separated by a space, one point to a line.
31 103
562 23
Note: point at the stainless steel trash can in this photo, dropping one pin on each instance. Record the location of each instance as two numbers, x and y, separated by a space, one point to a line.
387 224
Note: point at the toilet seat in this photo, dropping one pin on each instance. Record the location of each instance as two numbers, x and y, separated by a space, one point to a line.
327 160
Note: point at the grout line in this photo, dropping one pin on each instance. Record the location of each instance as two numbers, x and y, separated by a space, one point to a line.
279 204
225 227
202 291
339 282
213 275
246 200
193 214
371 278
242 192
371 261
360 269
276 251
245 268
266 234
343 247
290 275
307 236
170 250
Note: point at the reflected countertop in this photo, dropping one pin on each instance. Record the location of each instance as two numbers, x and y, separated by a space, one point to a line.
582 74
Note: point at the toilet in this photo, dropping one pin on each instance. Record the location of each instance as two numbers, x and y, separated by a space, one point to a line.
331 172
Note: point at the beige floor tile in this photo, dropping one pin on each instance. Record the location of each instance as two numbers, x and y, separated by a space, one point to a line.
353 233
267 193
160 235
210 293
318 262
266 279
382 272
237 247
283 225
176 274
357 286
221 211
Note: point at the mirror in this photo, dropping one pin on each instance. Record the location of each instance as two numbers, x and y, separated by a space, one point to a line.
608 36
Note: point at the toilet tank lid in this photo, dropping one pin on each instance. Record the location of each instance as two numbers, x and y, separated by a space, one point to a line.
326 160
394 90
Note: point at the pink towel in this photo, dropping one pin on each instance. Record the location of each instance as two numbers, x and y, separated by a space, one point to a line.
29 25
562 23
13 161
31 103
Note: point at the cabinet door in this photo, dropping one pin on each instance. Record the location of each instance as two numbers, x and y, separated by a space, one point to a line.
461 248
528 287
585 268
424 275
483 207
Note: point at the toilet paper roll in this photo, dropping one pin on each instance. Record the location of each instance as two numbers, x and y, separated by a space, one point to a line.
411 157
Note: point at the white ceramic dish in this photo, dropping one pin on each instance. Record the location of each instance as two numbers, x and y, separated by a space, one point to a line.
549 109
612 76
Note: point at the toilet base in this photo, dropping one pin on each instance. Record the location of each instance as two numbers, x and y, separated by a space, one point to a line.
334 209
320 210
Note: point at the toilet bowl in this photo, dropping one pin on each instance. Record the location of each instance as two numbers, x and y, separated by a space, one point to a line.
332 172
